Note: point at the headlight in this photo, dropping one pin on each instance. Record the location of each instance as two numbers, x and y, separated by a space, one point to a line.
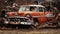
6 22
5 15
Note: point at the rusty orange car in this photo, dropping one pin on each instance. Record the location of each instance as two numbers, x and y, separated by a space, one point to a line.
29 15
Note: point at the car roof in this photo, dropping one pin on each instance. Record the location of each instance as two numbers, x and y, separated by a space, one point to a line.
34 5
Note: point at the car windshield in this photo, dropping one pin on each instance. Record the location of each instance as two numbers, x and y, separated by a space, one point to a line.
31 8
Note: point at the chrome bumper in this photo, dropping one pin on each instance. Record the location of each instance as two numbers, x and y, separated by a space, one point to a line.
19 21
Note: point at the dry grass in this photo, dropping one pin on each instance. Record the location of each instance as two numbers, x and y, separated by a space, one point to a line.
42 31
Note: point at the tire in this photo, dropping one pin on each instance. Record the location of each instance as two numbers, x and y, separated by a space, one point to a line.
36 24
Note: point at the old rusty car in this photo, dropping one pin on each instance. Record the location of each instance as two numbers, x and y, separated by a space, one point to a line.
35 15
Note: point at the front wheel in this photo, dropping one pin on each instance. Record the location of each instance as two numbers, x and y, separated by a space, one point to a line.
36 23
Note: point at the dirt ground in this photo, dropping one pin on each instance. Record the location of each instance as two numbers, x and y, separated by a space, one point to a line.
27 31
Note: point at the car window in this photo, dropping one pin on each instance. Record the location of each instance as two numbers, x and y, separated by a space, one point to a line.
33 8
30 8
40 9
27 8
23 8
